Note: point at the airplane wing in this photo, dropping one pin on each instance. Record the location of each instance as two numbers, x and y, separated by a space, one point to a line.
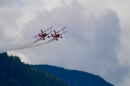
35 36
49 32
46 30
63 32
60 30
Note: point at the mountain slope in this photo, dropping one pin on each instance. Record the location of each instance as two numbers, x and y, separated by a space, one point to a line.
13 72
73 77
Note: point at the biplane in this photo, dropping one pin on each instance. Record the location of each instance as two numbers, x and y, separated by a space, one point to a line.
56 35
43 34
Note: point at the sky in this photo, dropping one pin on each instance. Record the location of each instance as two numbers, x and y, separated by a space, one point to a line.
97 38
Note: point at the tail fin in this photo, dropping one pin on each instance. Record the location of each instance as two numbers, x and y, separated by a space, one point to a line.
41 31
55 31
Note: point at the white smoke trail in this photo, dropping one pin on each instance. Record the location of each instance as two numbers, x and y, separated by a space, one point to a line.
33 44
38 44
25 45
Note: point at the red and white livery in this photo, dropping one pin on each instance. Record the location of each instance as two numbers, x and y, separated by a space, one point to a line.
43 34
56 35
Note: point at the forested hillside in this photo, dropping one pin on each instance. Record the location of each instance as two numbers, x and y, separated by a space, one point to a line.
73 77
13 72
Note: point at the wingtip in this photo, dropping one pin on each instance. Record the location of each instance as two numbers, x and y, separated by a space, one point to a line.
51 26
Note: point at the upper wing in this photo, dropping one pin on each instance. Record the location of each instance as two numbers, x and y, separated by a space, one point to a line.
49 32
46 29
63 32
60 30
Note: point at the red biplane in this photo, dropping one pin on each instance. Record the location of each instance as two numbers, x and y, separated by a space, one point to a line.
56 35
43 34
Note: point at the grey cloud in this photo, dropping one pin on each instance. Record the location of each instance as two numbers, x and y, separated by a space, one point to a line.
96 54
91 43
10 3
105 47
7 4
9 24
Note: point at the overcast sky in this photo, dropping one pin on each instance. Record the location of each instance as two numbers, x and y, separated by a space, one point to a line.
97 39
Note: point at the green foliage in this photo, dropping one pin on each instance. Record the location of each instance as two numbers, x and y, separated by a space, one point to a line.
73 77
13 72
